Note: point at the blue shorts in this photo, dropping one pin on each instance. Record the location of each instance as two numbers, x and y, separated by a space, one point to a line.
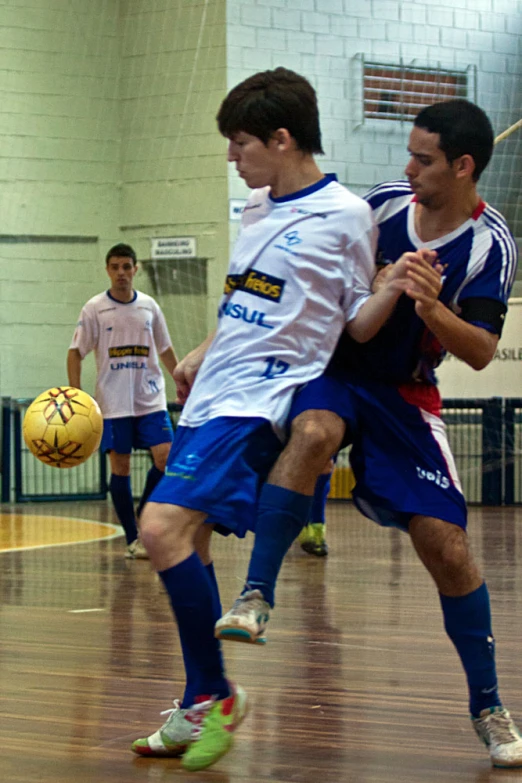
400 454
218 468
136 432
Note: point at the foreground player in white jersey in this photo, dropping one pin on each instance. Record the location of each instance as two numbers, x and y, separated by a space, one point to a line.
385 393
301 267
126 330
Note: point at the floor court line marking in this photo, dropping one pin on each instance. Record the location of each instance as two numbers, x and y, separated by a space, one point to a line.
84 611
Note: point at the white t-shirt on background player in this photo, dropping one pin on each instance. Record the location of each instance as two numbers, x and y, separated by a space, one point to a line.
301 267
127 339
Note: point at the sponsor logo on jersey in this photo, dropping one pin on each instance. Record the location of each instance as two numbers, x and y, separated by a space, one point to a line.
291 238
238 311
132 365
301 211
256 283
120 351
437 477
185 468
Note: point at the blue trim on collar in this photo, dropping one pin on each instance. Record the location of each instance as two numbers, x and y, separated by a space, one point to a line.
118 301
306 191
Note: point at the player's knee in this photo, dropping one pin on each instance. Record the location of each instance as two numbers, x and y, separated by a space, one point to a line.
444 549
160 463
318 437
156 526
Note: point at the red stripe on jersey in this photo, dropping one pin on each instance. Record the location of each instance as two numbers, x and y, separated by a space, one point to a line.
422 395
479 210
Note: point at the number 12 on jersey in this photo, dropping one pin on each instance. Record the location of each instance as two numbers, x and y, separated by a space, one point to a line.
274 367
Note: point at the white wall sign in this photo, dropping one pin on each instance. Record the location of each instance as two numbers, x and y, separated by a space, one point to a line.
172 247
503 375
235 208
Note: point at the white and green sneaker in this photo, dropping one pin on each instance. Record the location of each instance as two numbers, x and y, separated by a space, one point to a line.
246 621
180 729
215 735
497 730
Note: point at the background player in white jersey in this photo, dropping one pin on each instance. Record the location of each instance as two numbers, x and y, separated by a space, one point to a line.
126 330
385 392
301 267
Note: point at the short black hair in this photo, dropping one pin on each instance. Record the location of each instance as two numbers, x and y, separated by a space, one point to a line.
464 129
121 251
270 100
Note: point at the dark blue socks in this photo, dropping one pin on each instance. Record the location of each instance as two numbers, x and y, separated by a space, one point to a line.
281 516
468 623
193 599
121 494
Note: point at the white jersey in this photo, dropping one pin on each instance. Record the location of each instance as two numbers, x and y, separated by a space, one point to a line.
126 339
301 267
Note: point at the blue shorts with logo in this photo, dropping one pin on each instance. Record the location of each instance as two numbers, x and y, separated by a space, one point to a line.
136 432
218 468
400 454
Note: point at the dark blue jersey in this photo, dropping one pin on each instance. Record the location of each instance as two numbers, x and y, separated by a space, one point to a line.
480 263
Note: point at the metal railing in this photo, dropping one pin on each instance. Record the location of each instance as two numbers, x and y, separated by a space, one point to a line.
485 436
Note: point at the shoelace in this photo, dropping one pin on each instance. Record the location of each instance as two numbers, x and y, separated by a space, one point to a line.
248 603
197 713
501 728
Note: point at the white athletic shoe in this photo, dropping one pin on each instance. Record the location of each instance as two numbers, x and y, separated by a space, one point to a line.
181 728
136 551
246 621
498 732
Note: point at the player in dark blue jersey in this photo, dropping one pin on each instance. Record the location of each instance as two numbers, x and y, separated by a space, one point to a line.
383 398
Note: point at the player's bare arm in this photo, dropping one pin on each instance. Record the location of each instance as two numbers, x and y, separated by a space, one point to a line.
186 370
170 360
74 367
472 344
377 309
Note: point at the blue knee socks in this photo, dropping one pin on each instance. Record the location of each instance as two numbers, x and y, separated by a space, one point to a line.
281 516
193 600
468 624
121 494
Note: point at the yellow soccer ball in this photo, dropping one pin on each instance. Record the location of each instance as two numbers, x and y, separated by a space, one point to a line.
63 427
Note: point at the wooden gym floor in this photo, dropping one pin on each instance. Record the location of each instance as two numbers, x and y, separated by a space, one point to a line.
357 684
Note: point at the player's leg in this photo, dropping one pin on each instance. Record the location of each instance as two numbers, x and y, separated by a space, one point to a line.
313 536
117 440
153 431
168 532
406 476
284 504
444 550
209 471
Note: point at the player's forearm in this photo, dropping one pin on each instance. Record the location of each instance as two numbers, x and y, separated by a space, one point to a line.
169 359
373 314
470 343
187 369
74 368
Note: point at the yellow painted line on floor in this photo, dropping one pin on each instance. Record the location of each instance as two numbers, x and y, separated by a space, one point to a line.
35 531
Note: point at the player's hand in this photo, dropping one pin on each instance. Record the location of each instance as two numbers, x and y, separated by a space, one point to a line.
396 276
424 280
185 374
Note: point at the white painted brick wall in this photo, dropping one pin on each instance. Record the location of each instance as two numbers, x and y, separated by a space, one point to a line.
325 37
316 22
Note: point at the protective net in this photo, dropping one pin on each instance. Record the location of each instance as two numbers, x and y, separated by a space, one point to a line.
108 134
